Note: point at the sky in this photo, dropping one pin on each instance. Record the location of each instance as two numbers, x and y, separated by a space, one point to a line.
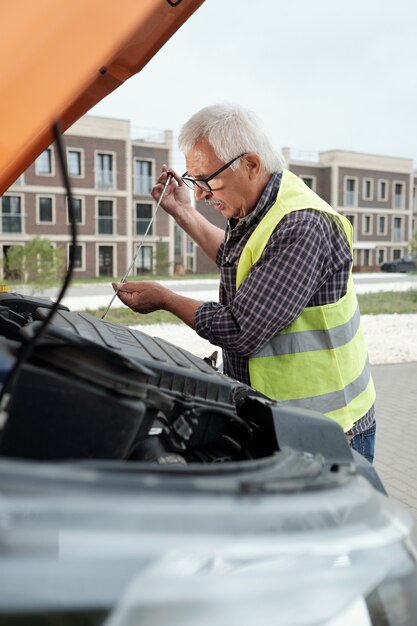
320 74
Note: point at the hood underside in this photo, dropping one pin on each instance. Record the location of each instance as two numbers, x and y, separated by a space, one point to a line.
59 59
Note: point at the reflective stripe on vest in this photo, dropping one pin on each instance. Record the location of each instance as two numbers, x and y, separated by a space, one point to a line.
309 340
320 361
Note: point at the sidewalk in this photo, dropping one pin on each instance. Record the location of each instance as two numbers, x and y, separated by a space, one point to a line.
396 443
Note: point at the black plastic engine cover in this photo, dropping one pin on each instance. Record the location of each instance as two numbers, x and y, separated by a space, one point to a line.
53 415
173 369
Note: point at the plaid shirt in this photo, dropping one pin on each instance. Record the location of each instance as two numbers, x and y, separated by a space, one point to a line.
305 263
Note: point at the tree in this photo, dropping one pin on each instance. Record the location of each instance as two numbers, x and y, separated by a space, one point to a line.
37 263
162 263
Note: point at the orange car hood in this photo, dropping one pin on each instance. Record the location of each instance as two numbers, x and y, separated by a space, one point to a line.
60 57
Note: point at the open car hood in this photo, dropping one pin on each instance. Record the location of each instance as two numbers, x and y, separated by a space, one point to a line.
59 59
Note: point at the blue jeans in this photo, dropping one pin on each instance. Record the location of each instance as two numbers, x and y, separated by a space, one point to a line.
364 443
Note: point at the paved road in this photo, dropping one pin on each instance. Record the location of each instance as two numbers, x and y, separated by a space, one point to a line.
95 295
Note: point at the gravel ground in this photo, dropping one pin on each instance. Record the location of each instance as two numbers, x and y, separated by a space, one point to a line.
390 338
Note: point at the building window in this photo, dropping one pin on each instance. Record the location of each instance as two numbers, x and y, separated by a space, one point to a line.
143 177
190 263
382 190
189 260
397 232
43 164
350 192
366 257
77 208
381 255
367 224
105 261
45 210
144 260
177 241
310 181
382 225
414 199
105 217
399 195
74 162
143 219
78 256
11 218
104 171
368 189
396 254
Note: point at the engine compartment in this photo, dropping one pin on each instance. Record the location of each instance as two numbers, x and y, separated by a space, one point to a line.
94 389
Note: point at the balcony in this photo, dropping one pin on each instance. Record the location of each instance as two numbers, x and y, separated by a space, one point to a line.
105 179
11 223
142 185
398 201
350 198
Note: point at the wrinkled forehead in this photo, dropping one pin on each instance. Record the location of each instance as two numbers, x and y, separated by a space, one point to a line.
201 160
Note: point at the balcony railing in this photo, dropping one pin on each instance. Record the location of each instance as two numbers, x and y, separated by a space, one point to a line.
350 198
142 225
142 185
11 224
398 201
105 225
105 179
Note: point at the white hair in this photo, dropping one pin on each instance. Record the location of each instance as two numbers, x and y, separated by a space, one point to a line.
230 130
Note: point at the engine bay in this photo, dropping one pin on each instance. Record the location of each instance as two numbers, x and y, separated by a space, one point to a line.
95 389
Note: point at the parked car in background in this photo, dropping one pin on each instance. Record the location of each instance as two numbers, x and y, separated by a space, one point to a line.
407 263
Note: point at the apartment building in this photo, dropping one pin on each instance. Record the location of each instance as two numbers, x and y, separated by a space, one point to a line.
376 193
112 171
111 176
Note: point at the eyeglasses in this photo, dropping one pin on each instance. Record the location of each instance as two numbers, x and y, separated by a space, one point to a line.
203 183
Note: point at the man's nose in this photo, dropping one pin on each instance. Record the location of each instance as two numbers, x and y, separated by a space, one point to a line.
201 194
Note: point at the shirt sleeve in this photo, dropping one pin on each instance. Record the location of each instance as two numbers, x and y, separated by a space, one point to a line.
219 254
300 256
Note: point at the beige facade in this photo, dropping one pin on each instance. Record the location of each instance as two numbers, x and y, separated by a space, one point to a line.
111 176
376 194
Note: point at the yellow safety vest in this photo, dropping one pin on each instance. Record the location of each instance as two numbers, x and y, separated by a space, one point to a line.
320 361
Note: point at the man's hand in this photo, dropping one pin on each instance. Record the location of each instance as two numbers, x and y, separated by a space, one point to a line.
142 297
176 200
146 297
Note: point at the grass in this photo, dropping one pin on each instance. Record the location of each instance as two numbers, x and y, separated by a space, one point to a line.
384 302
162 277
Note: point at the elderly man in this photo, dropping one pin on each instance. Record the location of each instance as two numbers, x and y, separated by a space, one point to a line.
287 319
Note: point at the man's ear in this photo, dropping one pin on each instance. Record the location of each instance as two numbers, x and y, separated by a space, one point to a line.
253 164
